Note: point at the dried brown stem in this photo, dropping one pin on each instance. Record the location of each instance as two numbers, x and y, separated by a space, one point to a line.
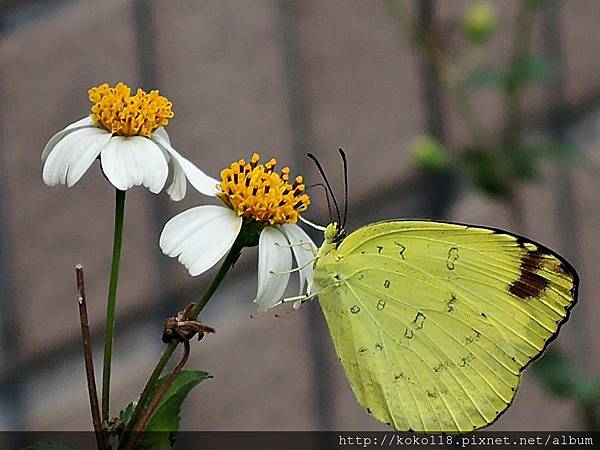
158 397
87 354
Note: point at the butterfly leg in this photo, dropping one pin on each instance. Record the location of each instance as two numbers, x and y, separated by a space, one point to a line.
296 269
306 245
297 300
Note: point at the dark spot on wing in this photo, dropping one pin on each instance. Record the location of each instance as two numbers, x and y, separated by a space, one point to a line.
452 257
402 248
530 284
561 271
472 338
419 320
451 303
399 376
440 367
466 361
432 394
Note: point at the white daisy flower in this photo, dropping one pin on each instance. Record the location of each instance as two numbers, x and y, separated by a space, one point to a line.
261 207
127 133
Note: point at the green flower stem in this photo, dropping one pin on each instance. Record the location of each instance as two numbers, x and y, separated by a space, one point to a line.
112 298
229 261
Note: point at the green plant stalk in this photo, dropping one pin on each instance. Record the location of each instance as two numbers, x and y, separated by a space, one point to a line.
229 261
449 74
511 135
512 93
112 299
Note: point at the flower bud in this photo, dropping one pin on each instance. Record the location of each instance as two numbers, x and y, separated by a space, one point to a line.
428 153
479 21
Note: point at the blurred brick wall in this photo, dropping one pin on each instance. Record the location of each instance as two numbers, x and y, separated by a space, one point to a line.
222 65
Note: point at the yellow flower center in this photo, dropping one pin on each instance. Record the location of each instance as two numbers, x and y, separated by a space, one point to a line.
254 191
117 111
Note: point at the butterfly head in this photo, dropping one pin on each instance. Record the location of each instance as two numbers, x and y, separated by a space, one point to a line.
334 234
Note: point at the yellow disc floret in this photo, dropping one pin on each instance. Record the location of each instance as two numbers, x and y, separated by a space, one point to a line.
117 111
254 191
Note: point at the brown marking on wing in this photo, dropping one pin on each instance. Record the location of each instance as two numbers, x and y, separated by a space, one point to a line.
560 269
530 284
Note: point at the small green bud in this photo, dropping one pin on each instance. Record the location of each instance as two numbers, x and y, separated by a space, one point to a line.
428 153
479 21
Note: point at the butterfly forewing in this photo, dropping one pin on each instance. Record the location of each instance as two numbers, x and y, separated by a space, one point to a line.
433 322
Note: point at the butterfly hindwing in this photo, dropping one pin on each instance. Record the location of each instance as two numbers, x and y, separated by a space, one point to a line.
433 321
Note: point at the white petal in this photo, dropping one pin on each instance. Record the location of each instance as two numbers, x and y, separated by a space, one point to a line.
200 236
304 250
178 186
73 155
161 133
86 122
274 257
202 182
133 161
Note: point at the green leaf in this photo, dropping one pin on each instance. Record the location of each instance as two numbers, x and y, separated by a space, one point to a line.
587 390
555 373
487 171
532 69
528 70
50 446
552 151
165 420
125 414
166 417
521 165
559 378
486 78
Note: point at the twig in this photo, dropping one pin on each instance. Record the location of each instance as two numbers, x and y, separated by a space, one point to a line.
512 92
227 264
158 397
512 132
87 353
448 72
141 404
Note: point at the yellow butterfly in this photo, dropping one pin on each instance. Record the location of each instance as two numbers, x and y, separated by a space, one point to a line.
433 322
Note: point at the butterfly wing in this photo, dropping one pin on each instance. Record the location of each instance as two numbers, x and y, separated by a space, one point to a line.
433 322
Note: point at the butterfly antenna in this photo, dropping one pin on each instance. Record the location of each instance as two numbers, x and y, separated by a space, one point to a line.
345 164
326 198
322 172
